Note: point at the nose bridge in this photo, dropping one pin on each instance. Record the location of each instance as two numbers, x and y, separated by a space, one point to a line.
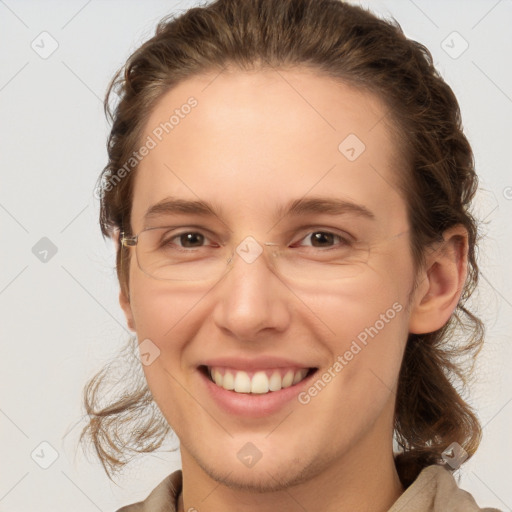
250 249
255 260
251 297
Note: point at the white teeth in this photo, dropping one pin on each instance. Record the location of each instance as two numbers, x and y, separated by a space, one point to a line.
217 377
240 382
297 378
275 381
229 381
259 383
287 379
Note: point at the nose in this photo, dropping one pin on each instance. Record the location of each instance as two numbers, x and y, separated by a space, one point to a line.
251 300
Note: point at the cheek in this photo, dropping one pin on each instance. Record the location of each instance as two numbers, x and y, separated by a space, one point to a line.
376 299
159 311
169 319
368 335
368 322
370 331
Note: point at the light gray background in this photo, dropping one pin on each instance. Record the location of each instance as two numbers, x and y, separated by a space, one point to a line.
61 320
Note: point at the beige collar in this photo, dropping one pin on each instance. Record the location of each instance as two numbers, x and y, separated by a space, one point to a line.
435 490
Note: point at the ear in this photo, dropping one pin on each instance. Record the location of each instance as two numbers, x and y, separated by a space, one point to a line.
440 283
124 301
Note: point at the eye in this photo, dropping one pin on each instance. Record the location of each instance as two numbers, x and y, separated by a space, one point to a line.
188 240
324 239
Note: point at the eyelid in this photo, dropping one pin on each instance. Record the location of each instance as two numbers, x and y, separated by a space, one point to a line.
186 228
203 232
296 235
305 231
334 235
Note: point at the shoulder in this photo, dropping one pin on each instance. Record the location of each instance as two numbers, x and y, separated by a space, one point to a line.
435 490
161 499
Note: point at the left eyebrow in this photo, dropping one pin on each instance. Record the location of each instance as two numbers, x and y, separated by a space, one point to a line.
329 206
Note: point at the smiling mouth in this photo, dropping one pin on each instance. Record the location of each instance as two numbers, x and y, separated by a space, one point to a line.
255 382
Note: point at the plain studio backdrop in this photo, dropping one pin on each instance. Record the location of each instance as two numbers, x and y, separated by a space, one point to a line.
59 296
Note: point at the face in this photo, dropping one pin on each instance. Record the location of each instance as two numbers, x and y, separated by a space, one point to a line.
309 164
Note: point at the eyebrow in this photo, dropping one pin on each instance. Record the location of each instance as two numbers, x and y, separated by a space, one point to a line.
329 206
171 205
298 207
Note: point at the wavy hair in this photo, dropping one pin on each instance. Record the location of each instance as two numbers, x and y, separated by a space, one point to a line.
352 45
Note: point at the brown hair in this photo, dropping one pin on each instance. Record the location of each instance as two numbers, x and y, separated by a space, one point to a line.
353 46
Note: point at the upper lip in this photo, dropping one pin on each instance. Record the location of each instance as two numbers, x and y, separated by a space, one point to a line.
254 363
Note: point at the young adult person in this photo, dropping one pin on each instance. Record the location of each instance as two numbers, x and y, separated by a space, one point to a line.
289 187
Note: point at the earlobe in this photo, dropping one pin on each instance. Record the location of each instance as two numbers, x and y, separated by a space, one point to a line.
441 283
124 299
125 305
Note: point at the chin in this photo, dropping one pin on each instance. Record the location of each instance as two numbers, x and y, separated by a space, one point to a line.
256 481
271 475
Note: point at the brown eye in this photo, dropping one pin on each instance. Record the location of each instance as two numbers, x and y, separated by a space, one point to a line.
323 239
190 239
184 240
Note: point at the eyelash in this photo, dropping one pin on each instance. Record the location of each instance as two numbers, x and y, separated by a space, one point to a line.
342 240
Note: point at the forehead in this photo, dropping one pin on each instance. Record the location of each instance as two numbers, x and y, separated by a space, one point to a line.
253 140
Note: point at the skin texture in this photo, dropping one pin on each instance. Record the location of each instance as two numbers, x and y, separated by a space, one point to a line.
256 141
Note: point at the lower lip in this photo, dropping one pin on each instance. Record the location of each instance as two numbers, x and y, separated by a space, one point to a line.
253 405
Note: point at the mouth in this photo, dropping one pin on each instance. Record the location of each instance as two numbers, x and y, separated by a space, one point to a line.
256 382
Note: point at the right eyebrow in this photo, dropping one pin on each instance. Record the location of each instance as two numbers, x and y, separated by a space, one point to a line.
172 205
